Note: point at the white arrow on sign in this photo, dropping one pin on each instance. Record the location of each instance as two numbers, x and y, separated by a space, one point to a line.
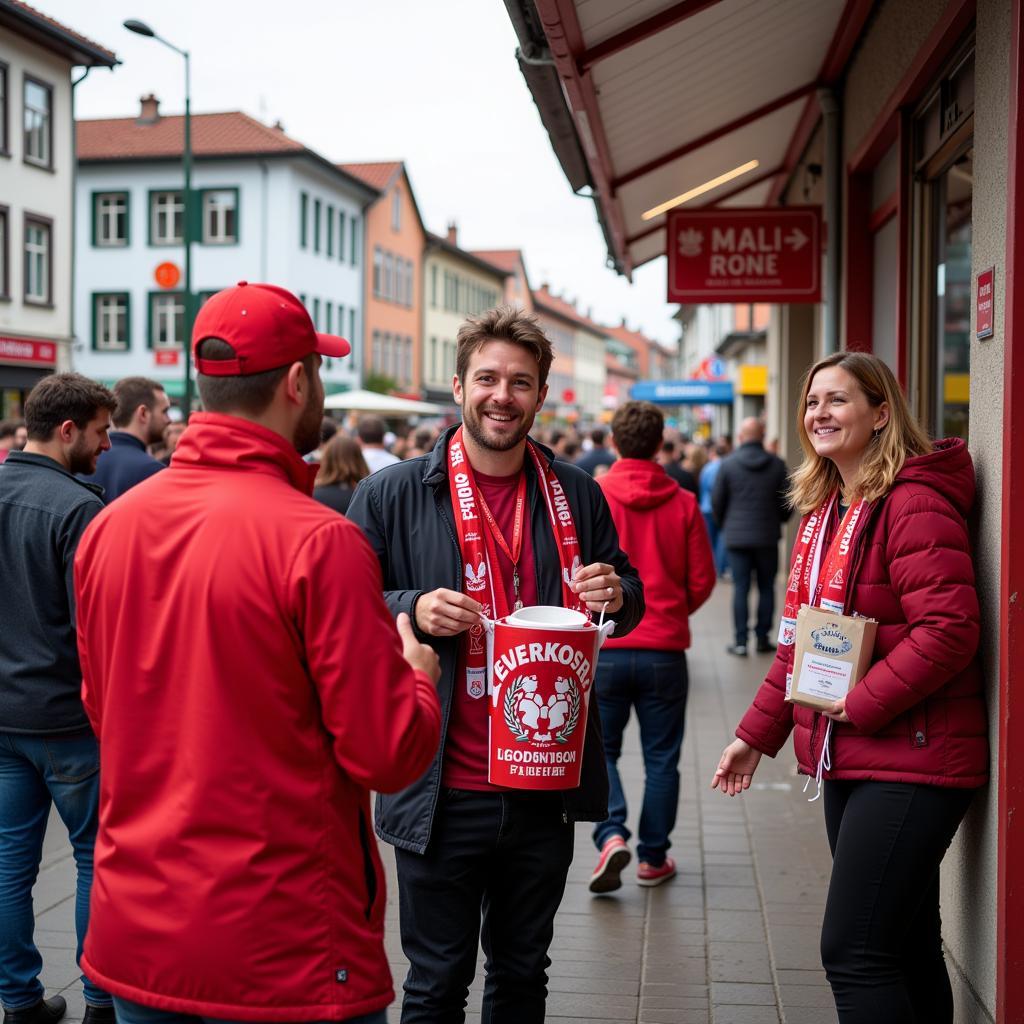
797 239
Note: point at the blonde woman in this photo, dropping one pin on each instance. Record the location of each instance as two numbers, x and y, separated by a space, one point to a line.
883 535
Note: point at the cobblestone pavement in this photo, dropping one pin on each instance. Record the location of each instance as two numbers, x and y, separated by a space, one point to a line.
732 940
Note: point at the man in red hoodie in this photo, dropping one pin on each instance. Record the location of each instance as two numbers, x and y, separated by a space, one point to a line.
661 527
248 689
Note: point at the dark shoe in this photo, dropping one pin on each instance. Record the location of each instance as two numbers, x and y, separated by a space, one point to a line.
740 649
98 1015
765 646
46 1011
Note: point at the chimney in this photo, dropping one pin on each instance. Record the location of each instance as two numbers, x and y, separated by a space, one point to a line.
453 233
149 110
278 126
624 327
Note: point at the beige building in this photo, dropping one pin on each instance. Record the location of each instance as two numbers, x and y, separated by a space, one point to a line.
456 284
37 171
903 121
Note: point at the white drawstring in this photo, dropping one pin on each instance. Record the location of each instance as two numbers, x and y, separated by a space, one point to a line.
824 765
604 608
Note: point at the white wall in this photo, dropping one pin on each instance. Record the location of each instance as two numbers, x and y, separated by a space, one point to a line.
267 250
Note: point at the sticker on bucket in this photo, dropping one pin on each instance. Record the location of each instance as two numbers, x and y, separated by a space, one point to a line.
541 663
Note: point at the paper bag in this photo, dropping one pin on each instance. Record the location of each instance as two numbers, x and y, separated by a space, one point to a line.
831 653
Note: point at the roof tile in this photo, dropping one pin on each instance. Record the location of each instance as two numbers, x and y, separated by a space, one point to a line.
376 175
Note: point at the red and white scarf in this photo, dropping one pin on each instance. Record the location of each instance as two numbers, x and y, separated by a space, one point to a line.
482 579
821 578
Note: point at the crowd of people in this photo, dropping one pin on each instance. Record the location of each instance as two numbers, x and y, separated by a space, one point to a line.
208 673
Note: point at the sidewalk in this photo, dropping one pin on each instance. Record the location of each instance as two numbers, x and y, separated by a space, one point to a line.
732 940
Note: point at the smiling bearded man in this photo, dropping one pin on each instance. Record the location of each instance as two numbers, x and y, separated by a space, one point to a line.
465 847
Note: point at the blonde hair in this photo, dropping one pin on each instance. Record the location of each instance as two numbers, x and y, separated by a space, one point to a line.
901 438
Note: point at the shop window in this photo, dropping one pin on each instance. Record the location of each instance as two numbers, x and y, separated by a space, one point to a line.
111 322
944 183
953 201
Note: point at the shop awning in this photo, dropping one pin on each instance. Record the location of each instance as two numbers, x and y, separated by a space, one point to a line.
384 405
649 100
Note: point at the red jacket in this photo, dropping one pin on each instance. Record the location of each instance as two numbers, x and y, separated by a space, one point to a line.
662 530
918 714
247 686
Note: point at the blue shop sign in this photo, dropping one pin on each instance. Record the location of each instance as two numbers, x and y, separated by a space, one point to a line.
683 392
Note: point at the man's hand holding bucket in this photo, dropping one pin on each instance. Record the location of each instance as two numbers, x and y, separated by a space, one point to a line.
598 586
445 612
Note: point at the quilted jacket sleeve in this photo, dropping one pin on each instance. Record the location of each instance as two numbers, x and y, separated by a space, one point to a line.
932 574
769 719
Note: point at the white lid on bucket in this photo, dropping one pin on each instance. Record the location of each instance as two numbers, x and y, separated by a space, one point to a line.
549 617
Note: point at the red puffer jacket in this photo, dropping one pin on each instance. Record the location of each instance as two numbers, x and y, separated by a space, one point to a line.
918 714
247 686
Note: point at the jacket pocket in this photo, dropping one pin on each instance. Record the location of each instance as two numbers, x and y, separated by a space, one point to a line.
369 868
919 725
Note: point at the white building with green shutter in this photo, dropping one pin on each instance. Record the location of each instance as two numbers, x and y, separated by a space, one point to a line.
266 209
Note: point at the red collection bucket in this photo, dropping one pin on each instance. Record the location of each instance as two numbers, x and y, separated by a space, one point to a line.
541 664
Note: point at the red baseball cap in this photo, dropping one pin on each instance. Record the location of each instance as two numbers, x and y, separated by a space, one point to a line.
267 327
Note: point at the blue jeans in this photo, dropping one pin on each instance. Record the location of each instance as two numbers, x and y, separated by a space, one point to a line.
747 563
717 539
128 1012
35 771
656 684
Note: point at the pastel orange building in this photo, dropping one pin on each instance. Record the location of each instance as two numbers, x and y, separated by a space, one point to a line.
393 309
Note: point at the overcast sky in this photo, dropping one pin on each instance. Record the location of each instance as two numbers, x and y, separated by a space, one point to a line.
433 83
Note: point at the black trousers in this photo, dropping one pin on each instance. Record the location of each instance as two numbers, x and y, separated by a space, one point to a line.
746 563
495 872
880 942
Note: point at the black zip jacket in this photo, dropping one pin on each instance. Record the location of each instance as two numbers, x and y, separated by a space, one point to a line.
44 511
749 499
406 512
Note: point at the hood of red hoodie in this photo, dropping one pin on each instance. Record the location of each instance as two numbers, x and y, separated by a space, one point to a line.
639 483
229 442
948 469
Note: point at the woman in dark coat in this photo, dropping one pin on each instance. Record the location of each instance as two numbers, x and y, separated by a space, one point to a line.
901 755
342 466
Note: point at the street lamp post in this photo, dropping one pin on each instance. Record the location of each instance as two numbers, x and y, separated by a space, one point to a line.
142 29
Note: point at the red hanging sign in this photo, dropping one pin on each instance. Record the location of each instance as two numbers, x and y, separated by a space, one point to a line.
27 350
744 254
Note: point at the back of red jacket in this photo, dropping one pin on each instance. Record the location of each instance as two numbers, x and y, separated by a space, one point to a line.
247 686
661 529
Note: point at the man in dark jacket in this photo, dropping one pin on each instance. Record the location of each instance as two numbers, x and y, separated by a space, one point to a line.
749 504
488 504
598 455
48 753
140 419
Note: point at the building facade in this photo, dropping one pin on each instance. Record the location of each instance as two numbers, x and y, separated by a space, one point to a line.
37 169
903 121
264 208
517 283
395 240
456 284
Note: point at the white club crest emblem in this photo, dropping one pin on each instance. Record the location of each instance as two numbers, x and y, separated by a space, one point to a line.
476 581
529 716
837 581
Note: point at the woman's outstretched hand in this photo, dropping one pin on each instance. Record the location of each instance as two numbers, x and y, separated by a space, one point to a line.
736 768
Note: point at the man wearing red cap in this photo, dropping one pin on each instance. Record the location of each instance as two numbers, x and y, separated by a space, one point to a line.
248 688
